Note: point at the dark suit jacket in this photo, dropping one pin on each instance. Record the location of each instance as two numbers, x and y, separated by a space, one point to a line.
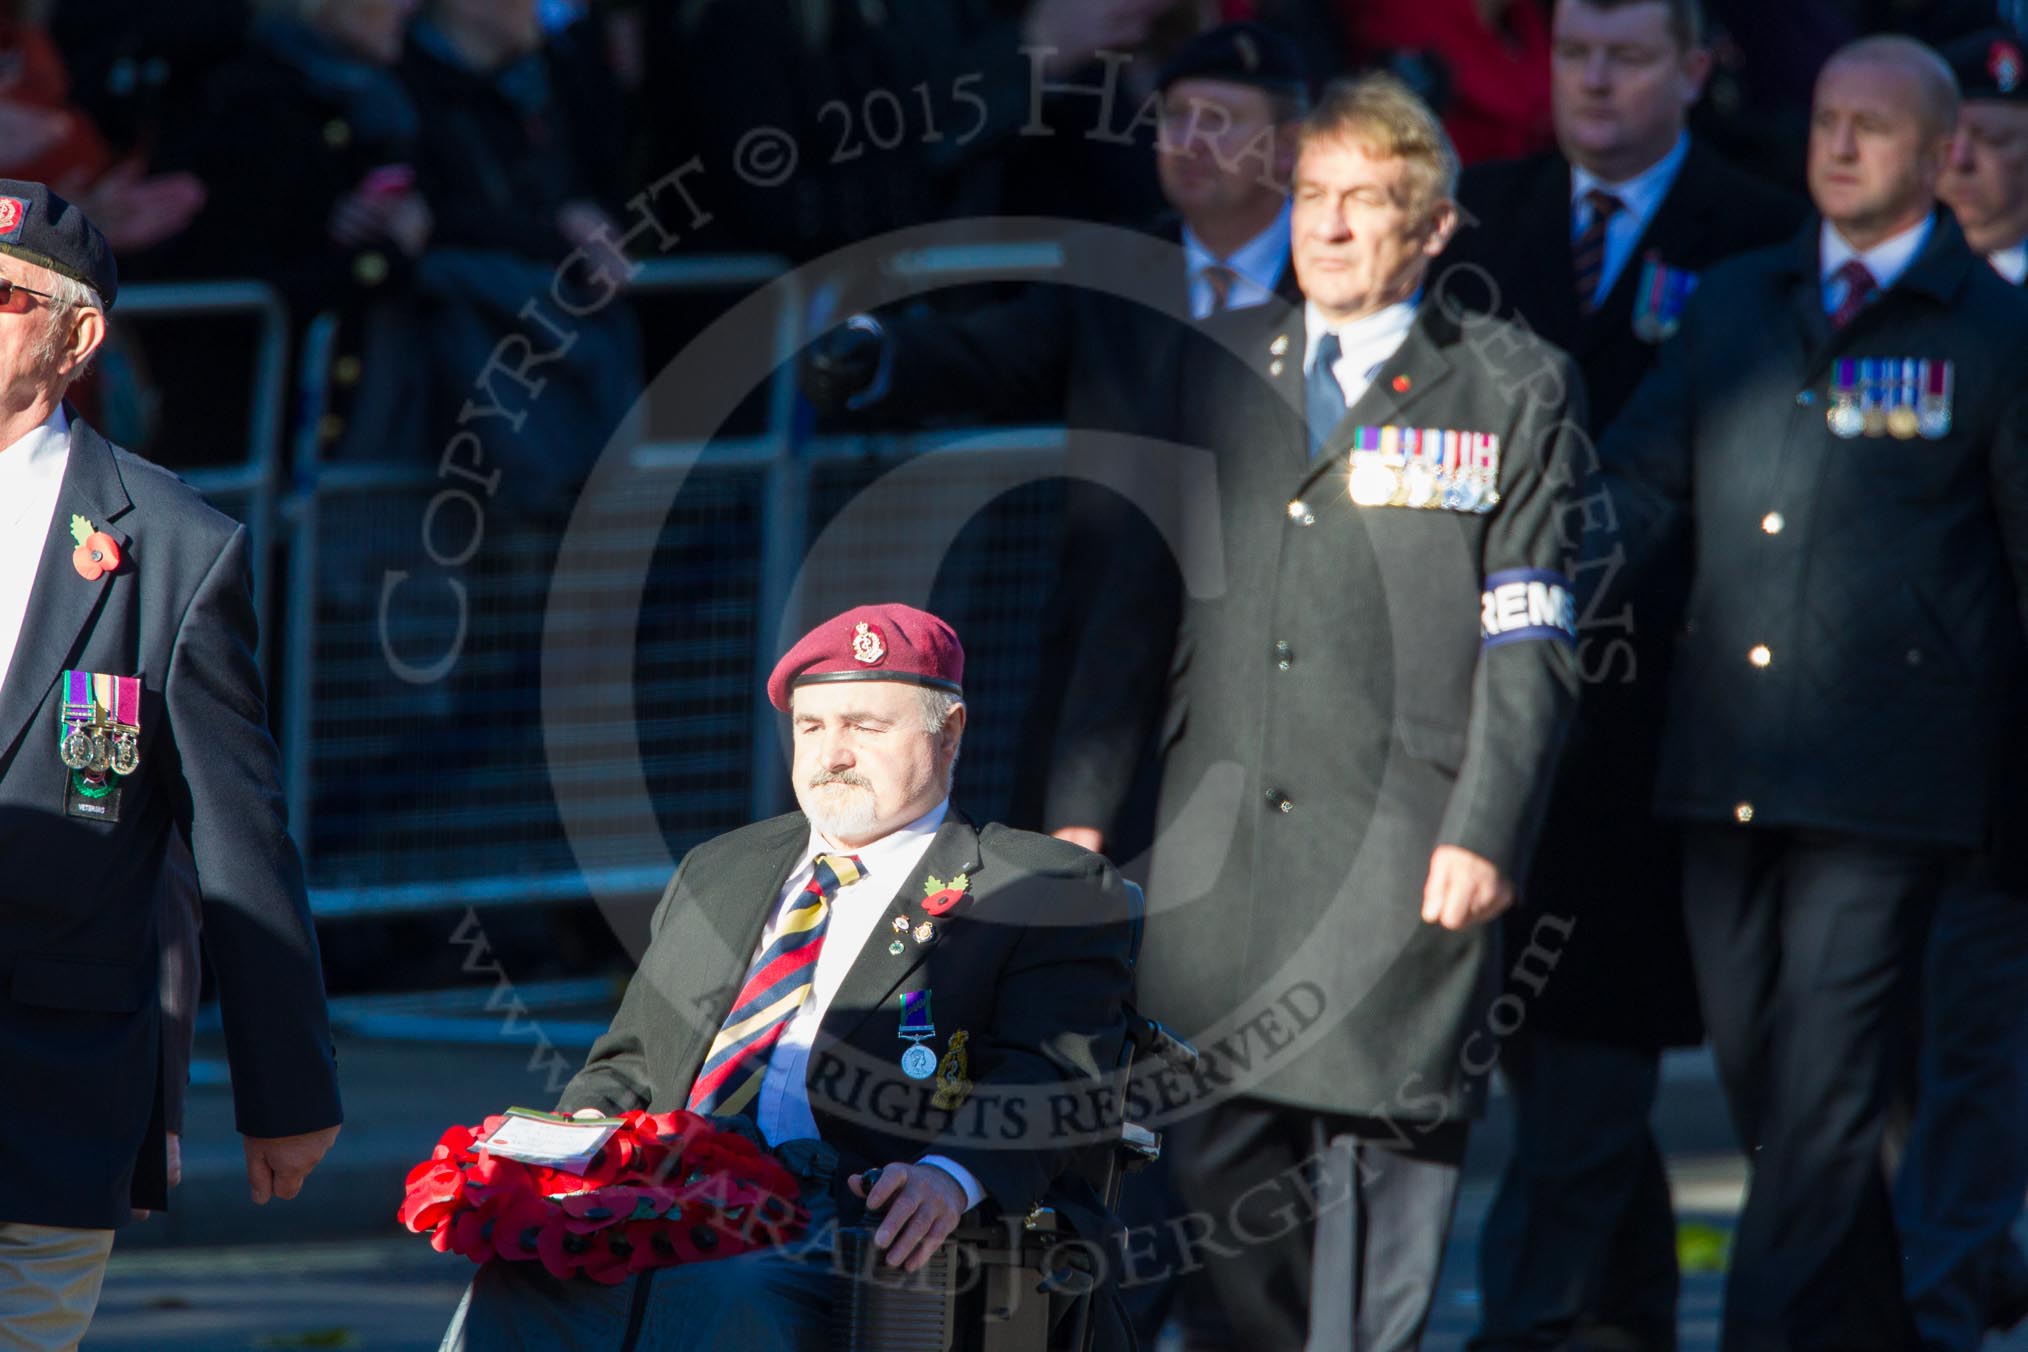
1332 716
1101 361
80 1025
1608 864
1032 965
1892 598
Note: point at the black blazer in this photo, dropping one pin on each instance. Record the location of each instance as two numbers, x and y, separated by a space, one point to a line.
79 1018
1891 598
1517 228
1032 965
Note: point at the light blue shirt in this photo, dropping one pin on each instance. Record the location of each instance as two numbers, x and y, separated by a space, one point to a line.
1886 260
1640 196
1257 266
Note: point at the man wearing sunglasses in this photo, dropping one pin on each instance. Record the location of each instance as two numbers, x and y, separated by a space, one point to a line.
131 713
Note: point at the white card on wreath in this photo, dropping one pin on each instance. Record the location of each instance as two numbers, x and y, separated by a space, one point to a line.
553 1142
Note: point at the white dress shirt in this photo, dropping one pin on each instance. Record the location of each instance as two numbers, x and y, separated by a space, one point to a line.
2011 262
1257 267
1640 196
1886 260
782 1110
31 477
1364 344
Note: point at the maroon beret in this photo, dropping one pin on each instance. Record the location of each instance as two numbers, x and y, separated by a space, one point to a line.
873 643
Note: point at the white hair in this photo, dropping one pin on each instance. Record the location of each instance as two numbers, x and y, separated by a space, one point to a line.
67 297
936 707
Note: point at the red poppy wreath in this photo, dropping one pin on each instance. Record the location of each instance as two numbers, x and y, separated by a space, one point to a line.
666 1188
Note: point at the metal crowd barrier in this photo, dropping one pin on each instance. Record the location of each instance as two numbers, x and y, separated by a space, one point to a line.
751 507
250 488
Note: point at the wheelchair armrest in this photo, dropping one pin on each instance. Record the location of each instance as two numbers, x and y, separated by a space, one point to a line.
1139 1146
1153 1036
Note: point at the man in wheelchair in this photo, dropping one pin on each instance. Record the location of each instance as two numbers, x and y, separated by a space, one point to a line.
873 983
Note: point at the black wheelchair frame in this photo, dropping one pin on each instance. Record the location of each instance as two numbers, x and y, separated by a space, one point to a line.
1026 1286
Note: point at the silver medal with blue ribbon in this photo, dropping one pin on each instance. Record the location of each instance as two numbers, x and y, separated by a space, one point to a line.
918 1062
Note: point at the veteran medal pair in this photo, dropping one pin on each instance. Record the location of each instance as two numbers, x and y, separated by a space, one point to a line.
98 740
1900 397
919 1062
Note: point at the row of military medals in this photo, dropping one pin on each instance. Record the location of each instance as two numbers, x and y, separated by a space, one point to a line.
1425 467
101 725
1892 397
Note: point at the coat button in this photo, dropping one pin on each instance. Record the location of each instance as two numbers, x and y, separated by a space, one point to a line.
1760 655
1915 657
1773 523
1285 656
1743 813
1806 398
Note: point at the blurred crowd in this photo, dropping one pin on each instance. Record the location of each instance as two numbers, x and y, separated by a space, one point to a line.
411 166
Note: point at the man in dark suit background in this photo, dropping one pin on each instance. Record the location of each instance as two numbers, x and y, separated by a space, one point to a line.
944 956
1595 246
1843 419
1096 347
1358 736
131 712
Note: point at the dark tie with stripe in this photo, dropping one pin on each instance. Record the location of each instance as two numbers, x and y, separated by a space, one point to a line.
1859 288
1219 278
1587 256
1323 396
776 985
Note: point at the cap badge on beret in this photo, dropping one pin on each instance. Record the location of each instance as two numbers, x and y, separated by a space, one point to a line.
866 644
1249 52
2003 63
13 211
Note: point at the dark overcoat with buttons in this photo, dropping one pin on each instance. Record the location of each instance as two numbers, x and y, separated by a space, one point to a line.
1333 715
1608 865
80 1025
1855 650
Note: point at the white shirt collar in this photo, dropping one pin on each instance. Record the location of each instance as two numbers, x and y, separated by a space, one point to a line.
896 844
1382 331
1260 260
1640 195
2011 262
1886 260
37 458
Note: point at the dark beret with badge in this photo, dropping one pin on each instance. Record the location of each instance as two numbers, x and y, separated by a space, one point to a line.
889 642
39 227
1989 65
1240 53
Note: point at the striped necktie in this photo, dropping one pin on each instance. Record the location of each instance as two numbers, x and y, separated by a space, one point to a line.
1219 278
1587 256
776 986
1859 289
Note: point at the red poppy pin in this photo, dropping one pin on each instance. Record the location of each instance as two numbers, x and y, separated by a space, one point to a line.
939 896
1402 384
96 554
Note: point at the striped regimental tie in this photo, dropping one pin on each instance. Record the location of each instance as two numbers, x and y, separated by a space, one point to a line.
1588 253
776 986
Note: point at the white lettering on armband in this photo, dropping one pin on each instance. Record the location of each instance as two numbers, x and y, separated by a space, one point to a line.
1527 603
